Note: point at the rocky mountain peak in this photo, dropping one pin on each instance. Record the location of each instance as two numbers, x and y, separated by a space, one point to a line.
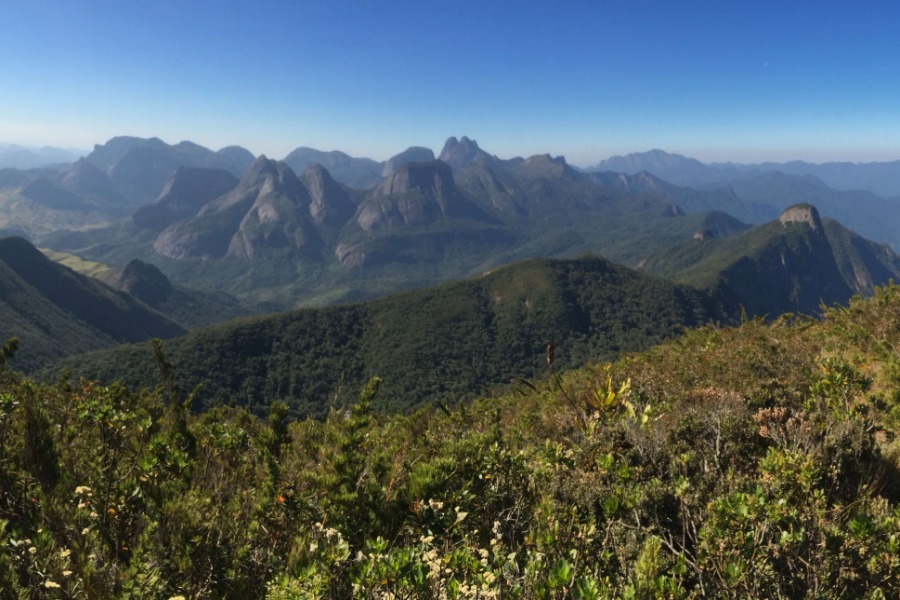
330 205
144 282
802 213
460 153
433 177
272 176
417 193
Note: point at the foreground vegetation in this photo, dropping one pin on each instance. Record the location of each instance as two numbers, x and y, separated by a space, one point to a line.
758 461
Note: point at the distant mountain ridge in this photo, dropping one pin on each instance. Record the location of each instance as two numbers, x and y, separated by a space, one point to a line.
141 167
758 193
14 156
418 222
880 178
428 221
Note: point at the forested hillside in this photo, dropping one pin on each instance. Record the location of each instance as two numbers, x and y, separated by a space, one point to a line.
57 312
444 343
749 462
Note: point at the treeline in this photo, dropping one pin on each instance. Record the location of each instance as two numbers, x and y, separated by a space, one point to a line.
758 461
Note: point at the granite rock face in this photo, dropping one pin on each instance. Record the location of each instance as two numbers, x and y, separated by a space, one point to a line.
416 194
802 213
412 154
463 152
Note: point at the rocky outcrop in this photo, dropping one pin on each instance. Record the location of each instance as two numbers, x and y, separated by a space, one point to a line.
267 214
331 205
802 213
463 152
350 256
416 194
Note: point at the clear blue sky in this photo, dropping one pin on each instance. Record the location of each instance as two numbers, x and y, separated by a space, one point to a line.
724 80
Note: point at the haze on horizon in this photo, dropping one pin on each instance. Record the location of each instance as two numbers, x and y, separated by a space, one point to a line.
743 82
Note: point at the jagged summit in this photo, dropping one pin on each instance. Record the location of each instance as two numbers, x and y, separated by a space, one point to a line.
463 152
544 165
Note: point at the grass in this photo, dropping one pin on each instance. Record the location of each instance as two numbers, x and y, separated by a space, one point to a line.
76 263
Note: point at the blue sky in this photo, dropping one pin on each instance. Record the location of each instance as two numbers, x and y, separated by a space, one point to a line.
725 80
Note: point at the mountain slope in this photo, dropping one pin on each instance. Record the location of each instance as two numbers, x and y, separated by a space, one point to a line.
268 213
56 312
140 167
872 216
312 240
416 194
445 342
185 192
793 264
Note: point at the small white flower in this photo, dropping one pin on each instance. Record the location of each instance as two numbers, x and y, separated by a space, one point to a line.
51 584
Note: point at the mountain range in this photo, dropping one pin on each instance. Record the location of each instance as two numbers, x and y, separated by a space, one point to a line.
880 178
276 236
448 342
427 221
14 156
